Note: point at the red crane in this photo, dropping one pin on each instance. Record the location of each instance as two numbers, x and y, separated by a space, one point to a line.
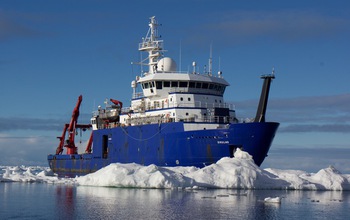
71 129
116 102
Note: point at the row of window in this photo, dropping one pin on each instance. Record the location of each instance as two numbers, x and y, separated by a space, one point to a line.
182 84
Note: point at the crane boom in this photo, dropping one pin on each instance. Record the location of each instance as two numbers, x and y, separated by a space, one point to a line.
71 128
117 102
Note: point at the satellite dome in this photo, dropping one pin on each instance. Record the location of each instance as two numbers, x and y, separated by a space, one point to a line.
166 64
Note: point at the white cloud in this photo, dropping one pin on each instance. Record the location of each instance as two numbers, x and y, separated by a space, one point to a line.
31 150
282 25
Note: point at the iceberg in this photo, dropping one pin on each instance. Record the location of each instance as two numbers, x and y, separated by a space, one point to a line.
239 172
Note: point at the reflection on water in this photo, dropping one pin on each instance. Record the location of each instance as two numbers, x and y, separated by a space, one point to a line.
45 201
65 201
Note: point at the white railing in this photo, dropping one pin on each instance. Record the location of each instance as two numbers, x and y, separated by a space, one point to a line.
147 45
174 104
199 104
159 119
194 90
137 95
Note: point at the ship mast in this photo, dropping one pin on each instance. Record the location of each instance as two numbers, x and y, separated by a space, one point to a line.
152 45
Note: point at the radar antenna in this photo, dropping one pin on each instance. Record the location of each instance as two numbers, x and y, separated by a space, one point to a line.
210 60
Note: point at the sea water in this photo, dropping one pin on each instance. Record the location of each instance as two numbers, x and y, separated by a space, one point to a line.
20 200
232 188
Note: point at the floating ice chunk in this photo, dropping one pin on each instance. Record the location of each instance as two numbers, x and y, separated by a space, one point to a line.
273 200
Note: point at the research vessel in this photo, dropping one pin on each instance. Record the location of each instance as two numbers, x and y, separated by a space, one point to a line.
176 118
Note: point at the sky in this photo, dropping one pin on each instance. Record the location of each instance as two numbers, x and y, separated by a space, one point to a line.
53 51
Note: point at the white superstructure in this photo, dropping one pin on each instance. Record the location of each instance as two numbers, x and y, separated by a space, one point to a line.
169 95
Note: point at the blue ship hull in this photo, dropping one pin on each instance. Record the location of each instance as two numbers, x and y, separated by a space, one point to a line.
167 144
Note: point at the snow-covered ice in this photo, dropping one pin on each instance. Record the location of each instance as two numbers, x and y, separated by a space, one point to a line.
239 172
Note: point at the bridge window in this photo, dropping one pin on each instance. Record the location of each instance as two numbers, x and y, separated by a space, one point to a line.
199 85
192 85
174 84
183 84
158 84
166 84
205 85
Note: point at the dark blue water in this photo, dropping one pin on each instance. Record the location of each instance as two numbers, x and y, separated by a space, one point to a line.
48 201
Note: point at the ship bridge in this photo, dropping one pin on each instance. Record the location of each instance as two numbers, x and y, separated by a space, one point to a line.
159 85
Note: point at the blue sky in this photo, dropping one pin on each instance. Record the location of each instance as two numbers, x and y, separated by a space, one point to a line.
53 51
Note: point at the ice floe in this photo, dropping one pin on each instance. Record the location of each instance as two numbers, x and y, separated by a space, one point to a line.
239 172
